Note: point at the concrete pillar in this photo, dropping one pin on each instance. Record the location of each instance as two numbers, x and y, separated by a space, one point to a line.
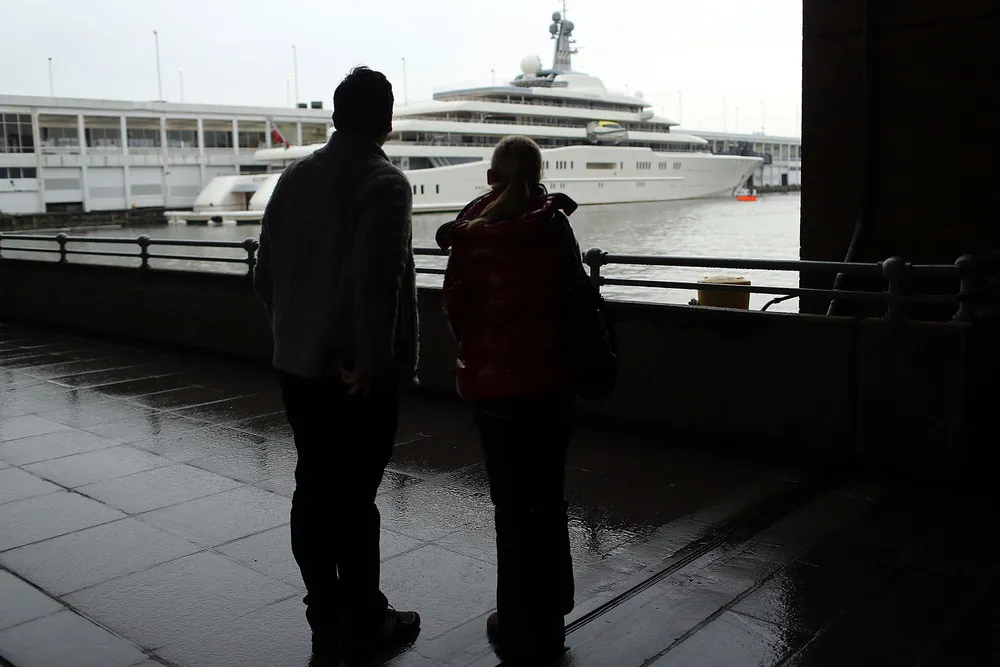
36 133
236 137
126 180
82 139
936 68
201 152
298 133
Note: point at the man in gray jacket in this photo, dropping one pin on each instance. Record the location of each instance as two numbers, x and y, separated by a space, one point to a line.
335 271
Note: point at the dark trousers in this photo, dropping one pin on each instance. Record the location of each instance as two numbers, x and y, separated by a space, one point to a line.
525 443
344 444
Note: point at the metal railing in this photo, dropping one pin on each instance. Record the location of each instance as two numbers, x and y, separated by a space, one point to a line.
893 273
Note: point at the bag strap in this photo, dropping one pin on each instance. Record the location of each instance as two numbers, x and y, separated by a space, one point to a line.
574 256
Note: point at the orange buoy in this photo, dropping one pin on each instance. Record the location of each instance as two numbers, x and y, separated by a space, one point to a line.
746 197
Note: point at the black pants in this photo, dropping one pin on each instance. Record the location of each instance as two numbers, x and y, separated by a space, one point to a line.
344 444
525 443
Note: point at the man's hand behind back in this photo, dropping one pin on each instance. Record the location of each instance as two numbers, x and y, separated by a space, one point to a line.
358 381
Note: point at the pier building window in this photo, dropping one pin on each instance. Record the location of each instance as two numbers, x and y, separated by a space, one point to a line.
58 134
142 133
312 133
15 133
102 132
182 133
10 173
252 135
182 138
218 134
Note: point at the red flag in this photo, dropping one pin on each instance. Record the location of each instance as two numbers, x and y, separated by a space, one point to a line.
277 137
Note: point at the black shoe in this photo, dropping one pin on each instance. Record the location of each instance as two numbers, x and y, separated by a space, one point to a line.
326 652
534 653
398 630
325 660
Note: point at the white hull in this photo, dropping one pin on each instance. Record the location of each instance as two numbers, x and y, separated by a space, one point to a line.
588 174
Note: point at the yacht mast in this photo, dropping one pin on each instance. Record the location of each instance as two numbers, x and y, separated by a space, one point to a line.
562 31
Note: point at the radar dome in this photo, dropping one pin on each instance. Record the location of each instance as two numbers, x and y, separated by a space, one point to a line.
530 65
554 28
556 16
568 26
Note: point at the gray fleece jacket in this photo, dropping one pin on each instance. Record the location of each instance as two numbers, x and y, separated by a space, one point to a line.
335 266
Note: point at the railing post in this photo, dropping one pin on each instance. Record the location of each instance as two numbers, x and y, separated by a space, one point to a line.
595 258
143 242
967 283
251 245
894 271
61 240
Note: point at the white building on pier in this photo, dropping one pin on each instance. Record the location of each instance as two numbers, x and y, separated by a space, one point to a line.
65 154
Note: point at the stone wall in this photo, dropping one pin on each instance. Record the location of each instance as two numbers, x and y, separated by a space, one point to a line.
122 218
752 381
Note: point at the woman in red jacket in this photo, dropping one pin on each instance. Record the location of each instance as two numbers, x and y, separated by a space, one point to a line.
506 296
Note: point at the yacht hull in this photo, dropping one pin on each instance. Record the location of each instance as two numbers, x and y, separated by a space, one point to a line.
590 175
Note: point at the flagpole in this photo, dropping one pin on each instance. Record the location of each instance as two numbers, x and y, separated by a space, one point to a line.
159 79
295 65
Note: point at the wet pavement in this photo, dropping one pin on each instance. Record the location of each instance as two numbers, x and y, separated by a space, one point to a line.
144 501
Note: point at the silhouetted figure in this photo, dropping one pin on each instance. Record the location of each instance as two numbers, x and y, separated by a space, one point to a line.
505 294
336 274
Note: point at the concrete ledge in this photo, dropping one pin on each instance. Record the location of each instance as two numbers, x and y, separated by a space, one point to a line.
759 381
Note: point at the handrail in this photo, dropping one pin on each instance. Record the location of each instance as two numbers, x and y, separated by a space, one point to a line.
893 271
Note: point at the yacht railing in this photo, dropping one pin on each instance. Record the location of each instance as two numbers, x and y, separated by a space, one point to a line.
891 275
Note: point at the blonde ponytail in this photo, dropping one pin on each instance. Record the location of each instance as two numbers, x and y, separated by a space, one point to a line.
517 168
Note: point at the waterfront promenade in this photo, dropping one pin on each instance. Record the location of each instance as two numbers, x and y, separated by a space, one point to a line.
144 500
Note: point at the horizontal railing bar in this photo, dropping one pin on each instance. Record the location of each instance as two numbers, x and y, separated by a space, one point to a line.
54 251
429 271
432 252
740 263
943 270
198 243
780 291
225 260
102 253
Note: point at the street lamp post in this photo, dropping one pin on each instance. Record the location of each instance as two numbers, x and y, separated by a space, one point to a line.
52 85
295 66
406 91
159 80
180 74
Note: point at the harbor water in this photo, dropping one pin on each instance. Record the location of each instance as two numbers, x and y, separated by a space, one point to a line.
767 229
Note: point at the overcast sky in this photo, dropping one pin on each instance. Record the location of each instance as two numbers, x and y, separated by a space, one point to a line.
240 51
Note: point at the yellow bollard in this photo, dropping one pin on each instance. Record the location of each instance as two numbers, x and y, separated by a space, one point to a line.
724 299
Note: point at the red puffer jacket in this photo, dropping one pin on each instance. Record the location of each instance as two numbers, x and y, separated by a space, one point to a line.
505 296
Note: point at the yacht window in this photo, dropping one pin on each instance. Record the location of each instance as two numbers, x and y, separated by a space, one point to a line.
437 189
600 165
421 189
414 189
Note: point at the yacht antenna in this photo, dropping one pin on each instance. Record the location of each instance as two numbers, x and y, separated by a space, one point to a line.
562 31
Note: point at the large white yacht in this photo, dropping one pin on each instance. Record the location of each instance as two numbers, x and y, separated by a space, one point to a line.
599 147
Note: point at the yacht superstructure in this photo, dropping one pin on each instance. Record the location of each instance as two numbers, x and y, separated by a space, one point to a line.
599 147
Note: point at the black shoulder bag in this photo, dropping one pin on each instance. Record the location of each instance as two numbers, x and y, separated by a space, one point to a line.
593 348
